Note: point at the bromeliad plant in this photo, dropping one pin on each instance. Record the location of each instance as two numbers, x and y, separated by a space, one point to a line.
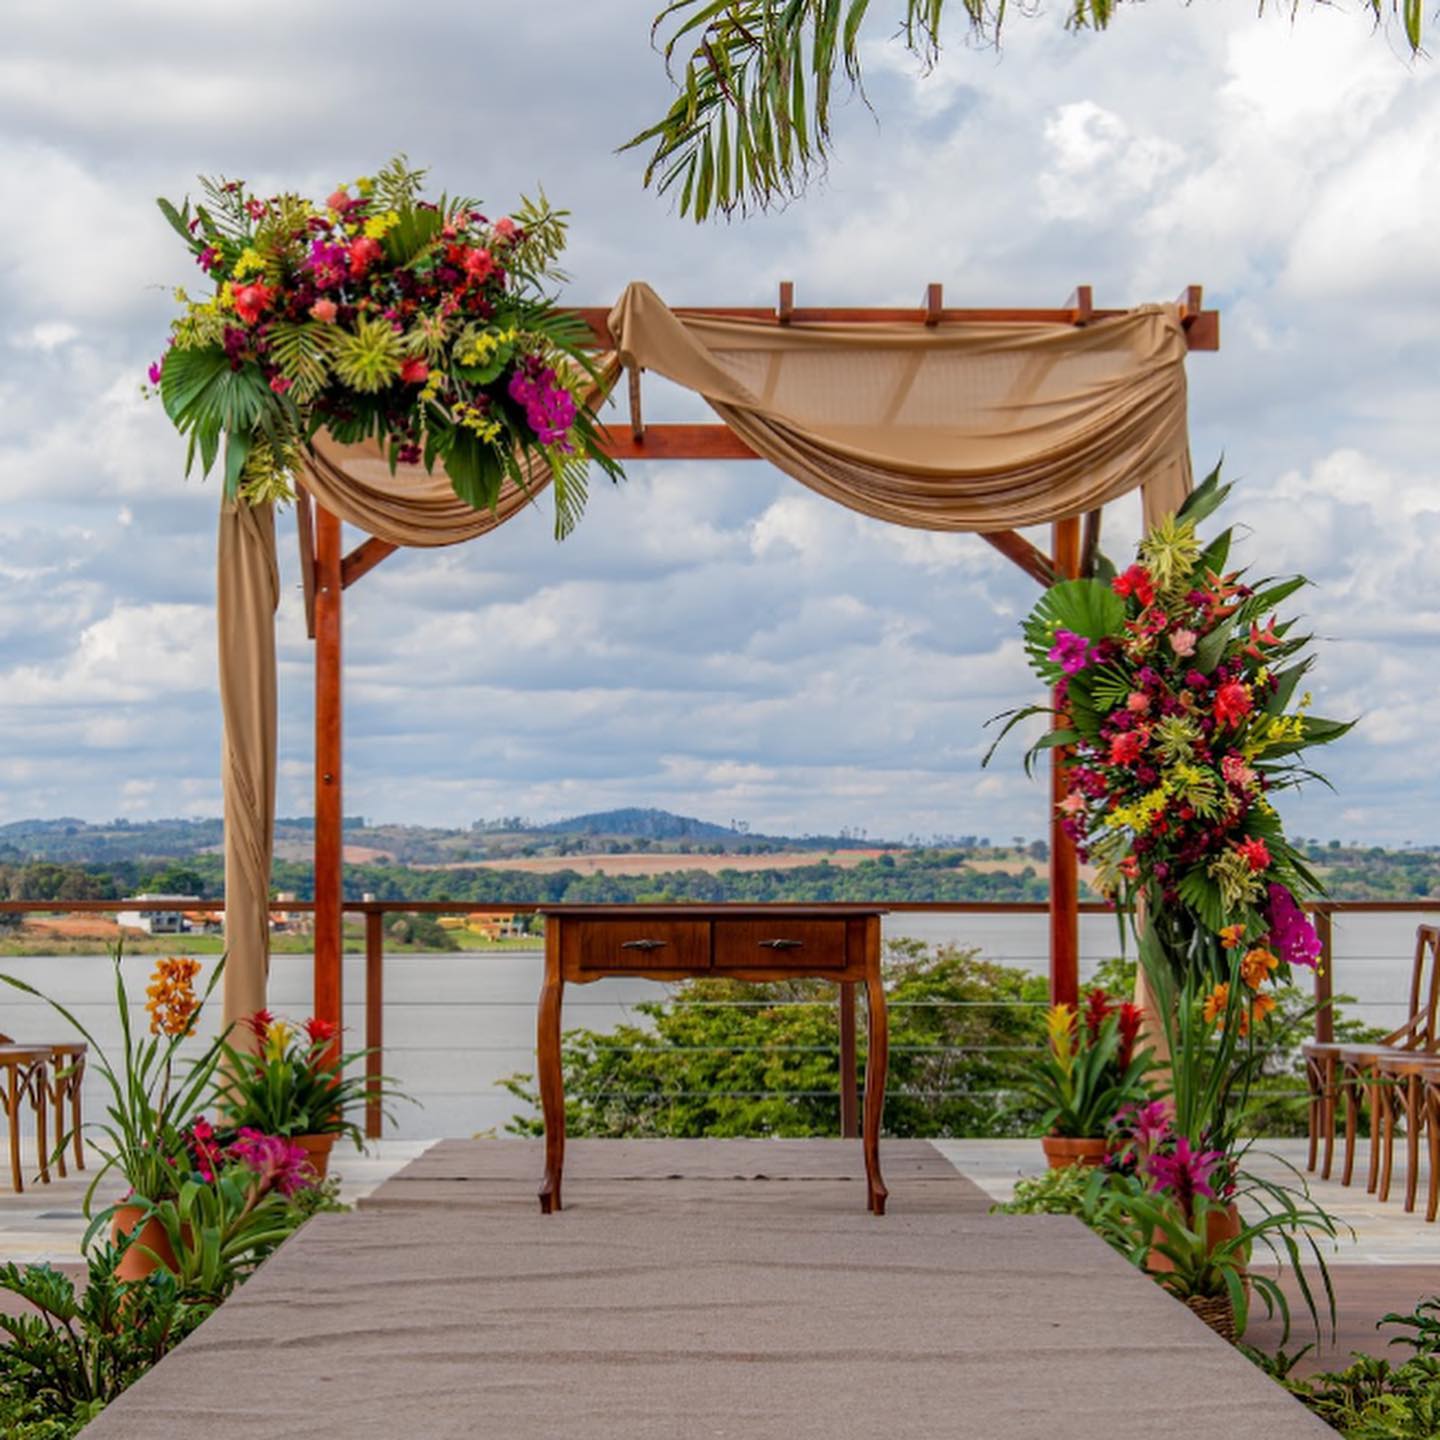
421 324
295 1081
1090 1068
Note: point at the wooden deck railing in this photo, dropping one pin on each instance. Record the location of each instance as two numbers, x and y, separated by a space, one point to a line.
374 913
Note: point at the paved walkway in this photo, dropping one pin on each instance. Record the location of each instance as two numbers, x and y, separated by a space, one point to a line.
713 1289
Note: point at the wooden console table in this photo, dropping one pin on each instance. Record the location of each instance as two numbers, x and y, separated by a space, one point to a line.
729 942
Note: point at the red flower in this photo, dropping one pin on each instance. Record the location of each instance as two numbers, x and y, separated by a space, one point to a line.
413 372
321 1031
1097 1007
1255 852
1130 867
1131 1018
363 254
1135 581
259 1023
1125 748
253 300
479 264
1232 703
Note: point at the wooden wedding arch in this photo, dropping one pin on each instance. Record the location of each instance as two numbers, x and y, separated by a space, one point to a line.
327 572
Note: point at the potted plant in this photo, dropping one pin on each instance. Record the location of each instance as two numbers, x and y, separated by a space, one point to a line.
294 1085
1089 1070
153 1093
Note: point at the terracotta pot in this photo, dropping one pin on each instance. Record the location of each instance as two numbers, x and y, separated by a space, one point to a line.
1061 1150
317 1150
1220 1226
136 1263
1217 1312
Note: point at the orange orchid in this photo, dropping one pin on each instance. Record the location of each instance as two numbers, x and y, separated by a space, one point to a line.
172 1002
1231 936
1216 1003
1255 968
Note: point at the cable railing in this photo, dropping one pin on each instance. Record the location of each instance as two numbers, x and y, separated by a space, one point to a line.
371 1001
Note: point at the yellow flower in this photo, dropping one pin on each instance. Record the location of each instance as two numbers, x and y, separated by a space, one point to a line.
250 262
1060 1025
171 999
378 226
277 1040
1255 968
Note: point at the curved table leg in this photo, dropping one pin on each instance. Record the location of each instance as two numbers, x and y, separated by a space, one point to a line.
552 1089
39 1087
877 1059
77 1083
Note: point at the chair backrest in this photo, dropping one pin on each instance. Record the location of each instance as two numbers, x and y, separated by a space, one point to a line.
6 1040
1418 1031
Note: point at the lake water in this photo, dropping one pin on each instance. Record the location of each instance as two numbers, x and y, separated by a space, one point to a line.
456 1023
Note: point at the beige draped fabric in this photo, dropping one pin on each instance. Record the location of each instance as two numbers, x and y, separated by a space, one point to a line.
979 427
950 427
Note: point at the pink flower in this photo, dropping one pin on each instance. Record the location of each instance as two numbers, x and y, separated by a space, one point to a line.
339 200
1237 772
156 370
505 230
1182 642
280 383
479 264
277 1164
363 254
1071 652
1137 702
1292 936
1185 1174
1072 804
324 311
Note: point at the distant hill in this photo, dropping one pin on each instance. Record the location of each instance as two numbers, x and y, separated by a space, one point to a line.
633 822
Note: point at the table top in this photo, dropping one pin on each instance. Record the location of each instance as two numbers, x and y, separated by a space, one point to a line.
817 911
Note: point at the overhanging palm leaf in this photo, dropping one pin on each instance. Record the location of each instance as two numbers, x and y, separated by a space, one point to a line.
750 121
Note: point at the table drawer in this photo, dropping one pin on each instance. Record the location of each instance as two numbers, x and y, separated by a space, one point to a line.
606 945
769 944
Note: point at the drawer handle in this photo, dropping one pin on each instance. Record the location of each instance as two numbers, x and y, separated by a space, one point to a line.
781 944
643 944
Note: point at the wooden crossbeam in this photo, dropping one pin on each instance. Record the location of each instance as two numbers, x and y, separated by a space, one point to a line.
363 559
305 530
1202 327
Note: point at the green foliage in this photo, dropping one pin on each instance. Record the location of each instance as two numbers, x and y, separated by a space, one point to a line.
1375 1400
1062 1191
1078 1083
714 1060
750 122
60 1367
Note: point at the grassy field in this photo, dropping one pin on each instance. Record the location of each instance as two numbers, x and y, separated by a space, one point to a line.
47 942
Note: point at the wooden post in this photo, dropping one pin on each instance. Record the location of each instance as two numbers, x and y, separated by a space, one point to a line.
1064 869
329 841
849 1094
374 1020
1325 979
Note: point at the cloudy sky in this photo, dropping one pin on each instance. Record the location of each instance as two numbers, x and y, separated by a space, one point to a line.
715 639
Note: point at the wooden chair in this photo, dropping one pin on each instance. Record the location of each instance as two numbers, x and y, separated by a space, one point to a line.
1362 1068
1338 1072
66 1075
25 1069
1406 1083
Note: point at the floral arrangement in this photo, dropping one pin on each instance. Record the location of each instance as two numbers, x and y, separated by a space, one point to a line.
294 1082
1091 1067
1182 717
379 314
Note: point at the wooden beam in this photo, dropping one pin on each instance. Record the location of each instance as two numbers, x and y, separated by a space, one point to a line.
1202 328
1081 305
1090 542
934 304
637 414
329 838
1064 868
363 559
786 308
1034 562
676 442
305 531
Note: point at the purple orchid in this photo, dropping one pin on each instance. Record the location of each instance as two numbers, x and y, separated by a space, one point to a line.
1071 652
1292 936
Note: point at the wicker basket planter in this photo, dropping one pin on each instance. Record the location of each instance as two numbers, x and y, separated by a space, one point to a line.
1217 1312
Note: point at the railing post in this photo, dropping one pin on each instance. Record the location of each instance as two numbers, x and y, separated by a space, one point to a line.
1325 979
849 1100
374 1020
